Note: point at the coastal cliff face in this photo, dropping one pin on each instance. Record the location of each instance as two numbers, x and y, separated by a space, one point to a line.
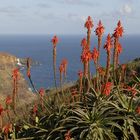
8 63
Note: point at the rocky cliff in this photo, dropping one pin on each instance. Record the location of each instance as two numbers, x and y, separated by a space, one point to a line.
8 63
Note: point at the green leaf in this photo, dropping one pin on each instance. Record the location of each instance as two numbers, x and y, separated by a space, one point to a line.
115 125
83 133
36 119
132 129
26 127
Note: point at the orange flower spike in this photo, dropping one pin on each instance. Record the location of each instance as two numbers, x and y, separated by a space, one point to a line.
120 28
29 73
118 32
99 32
123 66
89 23
83 56
68 136
15 77
119 48
54 41
95 55
118 52
100 70
138 110
61 68
64 63
84 43
108 44
100 29
8 100
107 88
86 56
132 90
80 74
1 120
42 92
35 109
15 74
1 109
7 128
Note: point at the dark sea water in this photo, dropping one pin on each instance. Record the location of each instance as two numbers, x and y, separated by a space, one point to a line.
39 48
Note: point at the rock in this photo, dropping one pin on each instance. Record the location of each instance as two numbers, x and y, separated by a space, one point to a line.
134 65
137 59
8 63
23 61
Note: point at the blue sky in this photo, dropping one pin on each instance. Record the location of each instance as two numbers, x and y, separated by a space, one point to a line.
67 16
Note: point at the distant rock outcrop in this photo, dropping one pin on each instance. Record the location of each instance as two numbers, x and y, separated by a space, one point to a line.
133 66
8 63
23 61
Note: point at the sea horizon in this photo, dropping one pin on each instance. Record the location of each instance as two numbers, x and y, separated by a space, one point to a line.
39 48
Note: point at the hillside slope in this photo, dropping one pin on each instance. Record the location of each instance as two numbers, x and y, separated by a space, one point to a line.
8 63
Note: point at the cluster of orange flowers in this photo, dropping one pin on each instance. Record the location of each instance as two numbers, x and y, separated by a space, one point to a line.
68 136
108 44
16 77
106 88
89 23
118 32
10 102
15 74
100 29
63 66
54 41
7 127
95 55
63 69
1 109
87 55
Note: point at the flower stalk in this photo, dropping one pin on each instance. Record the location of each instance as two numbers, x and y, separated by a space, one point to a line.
118 32
15 77
28 64
54 42
80 74
99 32
108 46
89 26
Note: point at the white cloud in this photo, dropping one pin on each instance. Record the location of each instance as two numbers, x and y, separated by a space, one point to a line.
126 9
75 17
43 5
78 2
83 18
9 10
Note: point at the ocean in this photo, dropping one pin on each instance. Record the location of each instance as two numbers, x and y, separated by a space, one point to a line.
39 48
